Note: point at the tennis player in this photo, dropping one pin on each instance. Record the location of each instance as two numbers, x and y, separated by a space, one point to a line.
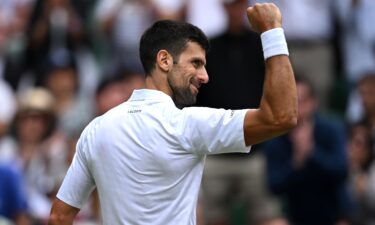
146 156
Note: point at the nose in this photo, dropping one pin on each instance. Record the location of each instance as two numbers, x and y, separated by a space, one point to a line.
203 76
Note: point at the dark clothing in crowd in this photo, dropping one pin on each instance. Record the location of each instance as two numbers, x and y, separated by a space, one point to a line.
312 193
236 68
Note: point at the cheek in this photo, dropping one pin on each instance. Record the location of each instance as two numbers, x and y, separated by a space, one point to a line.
176 78
182 77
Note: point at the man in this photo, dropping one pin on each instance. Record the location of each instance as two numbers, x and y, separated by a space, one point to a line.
307 167
146 156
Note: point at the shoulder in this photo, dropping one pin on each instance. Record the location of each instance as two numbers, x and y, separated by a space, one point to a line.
88 131
200 111
9 172
208 114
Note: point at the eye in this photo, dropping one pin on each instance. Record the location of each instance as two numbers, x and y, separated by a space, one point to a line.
197 63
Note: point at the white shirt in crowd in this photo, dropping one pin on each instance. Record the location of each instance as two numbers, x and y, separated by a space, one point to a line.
358 37
146 158
305 20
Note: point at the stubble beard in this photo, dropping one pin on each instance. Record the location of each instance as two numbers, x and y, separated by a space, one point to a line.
182 96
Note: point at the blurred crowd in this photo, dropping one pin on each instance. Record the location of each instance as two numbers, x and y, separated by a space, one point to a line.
64 62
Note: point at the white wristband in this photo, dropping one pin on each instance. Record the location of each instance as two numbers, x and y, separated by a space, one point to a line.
274 43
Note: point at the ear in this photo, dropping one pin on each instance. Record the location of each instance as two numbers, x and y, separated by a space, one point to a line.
164 60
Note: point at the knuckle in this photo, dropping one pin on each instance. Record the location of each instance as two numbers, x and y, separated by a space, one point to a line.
274 6
257 6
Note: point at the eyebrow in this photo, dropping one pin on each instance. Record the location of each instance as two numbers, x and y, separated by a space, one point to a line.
199 59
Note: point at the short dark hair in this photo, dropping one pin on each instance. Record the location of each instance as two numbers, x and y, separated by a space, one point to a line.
172 36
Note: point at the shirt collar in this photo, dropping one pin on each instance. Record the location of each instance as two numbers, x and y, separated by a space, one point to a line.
149 94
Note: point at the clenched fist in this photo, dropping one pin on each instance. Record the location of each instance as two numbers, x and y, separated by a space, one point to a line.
263 17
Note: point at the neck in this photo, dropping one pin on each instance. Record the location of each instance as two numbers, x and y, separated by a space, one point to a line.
158 82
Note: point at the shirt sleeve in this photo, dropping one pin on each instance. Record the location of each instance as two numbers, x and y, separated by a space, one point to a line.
17 197
78 182
212 131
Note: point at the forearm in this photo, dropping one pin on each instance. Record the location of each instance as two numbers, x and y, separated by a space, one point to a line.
59 220
279 100
62 213
23 219
277 113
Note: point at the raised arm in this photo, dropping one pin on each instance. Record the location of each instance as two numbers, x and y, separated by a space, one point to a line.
277 113
62 213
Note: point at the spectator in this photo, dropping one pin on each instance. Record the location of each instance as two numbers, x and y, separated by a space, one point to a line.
356 19
307 168
115 90
357 43
123 22
13 203
7 111
366 89
55 33
72 110
38 150
108 94
361 171
8 108
13 19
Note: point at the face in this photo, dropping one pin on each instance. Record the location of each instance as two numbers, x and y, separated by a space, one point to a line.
110 97
188 74
31 127
306 102
62 82
4 30
235 11
367 92
358 146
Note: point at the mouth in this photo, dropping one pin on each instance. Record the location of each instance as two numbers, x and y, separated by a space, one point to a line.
195 88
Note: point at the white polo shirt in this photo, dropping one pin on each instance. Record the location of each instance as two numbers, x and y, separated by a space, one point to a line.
146 158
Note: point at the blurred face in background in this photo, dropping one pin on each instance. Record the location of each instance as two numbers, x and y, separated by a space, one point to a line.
55 3
32 126
3 128
236 14
131 82
4 30
62 83
20 21
111 96
306 102
367 92
359 147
